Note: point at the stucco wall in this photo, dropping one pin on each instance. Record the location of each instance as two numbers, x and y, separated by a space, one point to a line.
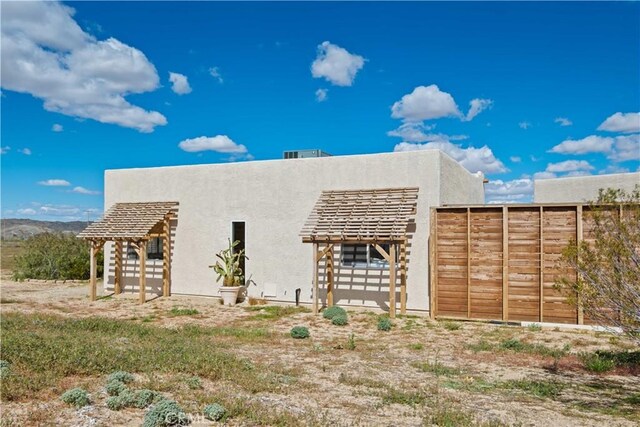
582 188
274 198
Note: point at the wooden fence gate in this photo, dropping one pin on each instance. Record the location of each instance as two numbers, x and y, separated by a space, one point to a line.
499 263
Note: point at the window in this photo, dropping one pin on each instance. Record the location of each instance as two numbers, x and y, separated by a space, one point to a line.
364 256
154 249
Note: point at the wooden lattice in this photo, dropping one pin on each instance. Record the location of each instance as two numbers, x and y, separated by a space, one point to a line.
128 221
361 215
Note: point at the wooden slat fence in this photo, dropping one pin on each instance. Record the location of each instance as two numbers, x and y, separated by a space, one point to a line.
500 262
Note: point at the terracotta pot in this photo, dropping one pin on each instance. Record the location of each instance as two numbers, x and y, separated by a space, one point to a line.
229 294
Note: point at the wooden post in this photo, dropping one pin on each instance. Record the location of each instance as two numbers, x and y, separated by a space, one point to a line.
468 263
166 257
93 269
329 275
505 263
579 236
143 270
403 277
315 278
118 268
541 264
392 280
433 267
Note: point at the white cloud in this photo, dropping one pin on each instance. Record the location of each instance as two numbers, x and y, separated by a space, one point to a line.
218 143
215 73
336 64
515 159
59 210
5 149
626 147
563 121
590 144
474 159
517 190
544 175
321 95
419 132
57 128
621 122
82 190
524 125
613 169
476 106
46 54
55 183
180 83
25 151
425 103
27 211
569 166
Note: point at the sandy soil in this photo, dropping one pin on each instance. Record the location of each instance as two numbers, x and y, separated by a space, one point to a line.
339 385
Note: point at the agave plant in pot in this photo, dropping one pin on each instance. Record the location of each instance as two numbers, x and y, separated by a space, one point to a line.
228 269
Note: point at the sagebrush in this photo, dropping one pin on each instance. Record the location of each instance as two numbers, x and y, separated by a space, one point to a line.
55 256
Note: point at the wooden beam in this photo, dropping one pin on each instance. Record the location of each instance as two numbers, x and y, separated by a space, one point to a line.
325 251
382 252
541 264
93 270
329 275
118 268
315 279
166 257
579 237
505 263
403 278
433 268
392 281
469 262
143 270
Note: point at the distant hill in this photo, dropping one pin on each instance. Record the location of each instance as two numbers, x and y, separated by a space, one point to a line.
23 228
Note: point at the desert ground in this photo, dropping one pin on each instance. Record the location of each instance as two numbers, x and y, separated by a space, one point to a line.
196 351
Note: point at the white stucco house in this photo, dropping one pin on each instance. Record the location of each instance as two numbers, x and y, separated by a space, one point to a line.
581 189
265 205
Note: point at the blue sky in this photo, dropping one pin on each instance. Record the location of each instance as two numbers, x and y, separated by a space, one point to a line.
518 91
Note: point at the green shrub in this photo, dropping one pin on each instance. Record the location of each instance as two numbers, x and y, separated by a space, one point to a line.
194 383
331 312
122 376
165 413
300 332
594 362
384 324
115 387
512 344
214 412
340 320
55 256
76 396
145 397
120 401
534 327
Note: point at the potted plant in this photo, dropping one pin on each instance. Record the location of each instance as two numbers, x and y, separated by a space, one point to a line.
228 269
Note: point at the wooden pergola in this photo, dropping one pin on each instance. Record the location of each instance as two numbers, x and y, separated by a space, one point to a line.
372 217
133 223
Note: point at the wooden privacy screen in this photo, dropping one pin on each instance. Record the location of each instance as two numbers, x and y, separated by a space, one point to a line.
499 263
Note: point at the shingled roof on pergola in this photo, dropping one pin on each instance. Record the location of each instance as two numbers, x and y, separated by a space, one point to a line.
380 215
128 221
134 223
374 217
